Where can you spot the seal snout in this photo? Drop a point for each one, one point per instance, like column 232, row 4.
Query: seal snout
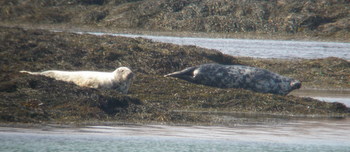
column 123, row 73
column 131, row 75
column 295, row 84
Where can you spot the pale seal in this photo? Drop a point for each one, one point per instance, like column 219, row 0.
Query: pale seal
column 238, row 76
column 120, row 79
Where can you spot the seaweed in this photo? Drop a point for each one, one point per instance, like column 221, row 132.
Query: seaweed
column 303, row 18
column 152, row 98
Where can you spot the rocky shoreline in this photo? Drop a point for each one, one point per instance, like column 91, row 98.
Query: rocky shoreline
column 323, row 19
column 152, row 98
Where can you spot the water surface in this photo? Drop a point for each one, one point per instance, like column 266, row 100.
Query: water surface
column 342, row 96
column 283, row 49
column 285, row 135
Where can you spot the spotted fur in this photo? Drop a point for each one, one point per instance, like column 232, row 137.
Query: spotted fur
column 238, row 76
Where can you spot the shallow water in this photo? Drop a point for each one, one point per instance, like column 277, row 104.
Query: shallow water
column 342, row 96
column 283, row 49
column 281, row 135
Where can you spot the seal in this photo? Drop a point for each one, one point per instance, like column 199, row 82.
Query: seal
column 238, row 76
column 120, row 79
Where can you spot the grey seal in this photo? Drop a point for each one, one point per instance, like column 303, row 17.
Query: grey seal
column 238, row 76
column 120, row 79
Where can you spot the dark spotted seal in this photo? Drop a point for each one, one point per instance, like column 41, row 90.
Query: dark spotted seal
column 238, row 76
column 120, row 79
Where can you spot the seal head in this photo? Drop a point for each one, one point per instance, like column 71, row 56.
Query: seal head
column 123, row 77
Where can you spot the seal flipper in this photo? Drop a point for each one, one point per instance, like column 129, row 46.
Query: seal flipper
column 186, row 74
column 28, row 72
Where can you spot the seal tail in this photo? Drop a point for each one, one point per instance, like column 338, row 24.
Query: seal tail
column 28, row 72
column 186, row 74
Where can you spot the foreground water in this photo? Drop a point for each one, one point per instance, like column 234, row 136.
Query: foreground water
column 271, row 135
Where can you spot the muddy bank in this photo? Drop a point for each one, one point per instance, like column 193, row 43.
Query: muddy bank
column 323, row 19
column 152, row 98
